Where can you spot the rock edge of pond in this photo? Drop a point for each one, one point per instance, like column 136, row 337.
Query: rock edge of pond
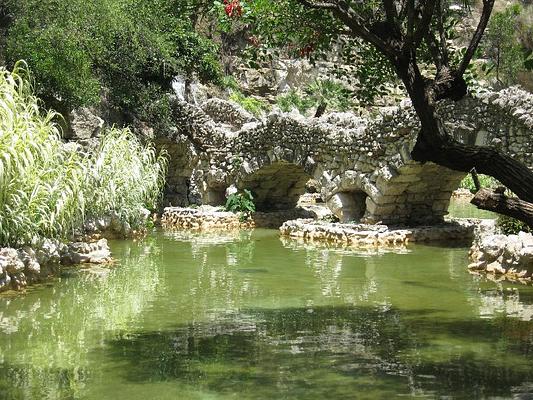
column 29, row 265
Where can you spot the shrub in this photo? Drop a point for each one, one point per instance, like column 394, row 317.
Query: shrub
column 250, row 104
column 47, row 189
column 126, row 49
column 241, row 202
column 332, row 94
column 502, row 45
column 125, row 176
column 511, row 226
column 294, row 99
column 326, row 94
column 485, row 181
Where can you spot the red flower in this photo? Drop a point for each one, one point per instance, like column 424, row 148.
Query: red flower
column 233, row 8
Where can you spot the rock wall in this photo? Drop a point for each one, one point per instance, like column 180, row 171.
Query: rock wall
column 363, row 166
column 21, row 267
column 361, row 235
column 207, row 218
column 508, row 257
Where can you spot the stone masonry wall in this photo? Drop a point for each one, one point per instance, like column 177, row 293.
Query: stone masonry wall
column 363, row 166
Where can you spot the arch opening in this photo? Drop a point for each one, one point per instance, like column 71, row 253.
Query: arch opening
column 348, row 206
column 276, row 186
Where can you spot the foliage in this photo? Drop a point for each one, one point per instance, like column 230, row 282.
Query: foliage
column 485, row 181
column 502, row 47
column 129, row 50
column 320, row 93
column 294, row 99
column 332, row 95
column 124, row 176
column 511, row 226
column 40, row 181
column 250, row 104
column 48, row 189
column 241, row 202
column 288, row 29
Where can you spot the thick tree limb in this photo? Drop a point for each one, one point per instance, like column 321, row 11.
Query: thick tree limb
column 498, row 202
column 486, row 160
column 390, row 11
column 442, row 33
column 488, row 5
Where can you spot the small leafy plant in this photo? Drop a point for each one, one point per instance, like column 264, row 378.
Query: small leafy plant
column 511, row 226
column 294, row 99
column 486, row 181
column 250, row 104
column 241, row 202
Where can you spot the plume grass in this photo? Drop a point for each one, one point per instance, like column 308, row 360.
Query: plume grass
column 47, row 189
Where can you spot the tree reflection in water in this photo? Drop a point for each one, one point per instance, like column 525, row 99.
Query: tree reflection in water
column 248, row 314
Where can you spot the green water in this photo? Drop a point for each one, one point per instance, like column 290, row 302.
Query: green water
column 462, row 208
column 250, row 316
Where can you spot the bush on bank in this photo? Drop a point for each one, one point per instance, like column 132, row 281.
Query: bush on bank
column 126, row 51
column 47, row 188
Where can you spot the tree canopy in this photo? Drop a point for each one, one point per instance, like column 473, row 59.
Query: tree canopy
column 129, row 51
column 413, row 36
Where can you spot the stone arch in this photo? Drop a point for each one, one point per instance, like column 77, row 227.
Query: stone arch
column 349, row 205
column 413, row 194
column 275, row 186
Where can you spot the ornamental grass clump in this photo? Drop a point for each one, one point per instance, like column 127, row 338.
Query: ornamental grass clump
column 48, row 189
column 125, row 177
column 40, row 181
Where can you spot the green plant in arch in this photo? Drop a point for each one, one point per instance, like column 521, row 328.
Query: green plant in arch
column 241, row 202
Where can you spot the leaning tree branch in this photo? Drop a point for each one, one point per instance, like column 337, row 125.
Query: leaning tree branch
column 488, row 5
column 498, row 202
column 440, row 26
column 447, row 152
column 411, row 16
column 390, row 11
column 434, row 51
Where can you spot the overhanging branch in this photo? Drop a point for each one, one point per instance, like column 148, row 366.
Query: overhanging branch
column 488, row 5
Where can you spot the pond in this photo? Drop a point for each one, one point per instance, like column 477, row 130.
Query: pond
column 251, row 316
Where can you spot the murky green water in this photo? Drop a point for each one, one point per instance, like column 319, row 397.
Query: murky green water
column 249, row 316
column 462, row 208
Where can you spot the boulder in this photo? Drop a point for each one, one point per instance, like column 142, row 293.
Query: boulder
column 84, row 124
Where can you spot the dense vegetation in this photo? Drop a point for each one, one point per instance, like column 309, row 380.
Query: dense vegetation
column 508, row 46
column 49, row 189
column 126, row 51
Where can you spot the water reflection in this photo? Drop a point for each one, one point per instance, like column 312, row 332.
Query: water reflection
column 46, row 335
column 198, row 316
column 332, row 352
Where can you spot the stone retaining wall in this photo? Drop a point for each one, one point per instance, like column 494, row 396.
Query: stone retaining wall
column 374, row 236
column 207, row 218
column 21, row 267
column 509, row 257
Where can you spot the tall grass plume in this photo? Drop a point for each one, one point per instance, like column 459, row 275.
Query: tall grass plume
column 47, row 189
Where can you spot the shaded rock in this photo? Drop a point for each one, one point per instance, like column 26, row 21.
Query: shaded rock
column 10, row 262
column 84, row 124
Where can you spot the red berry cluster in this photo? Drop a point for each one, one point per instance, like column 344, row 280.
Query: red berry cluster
column 306, row 50
column 233, row 8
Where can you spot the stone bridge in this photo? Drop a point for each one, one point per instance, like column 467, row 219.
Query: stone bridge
column 363, row 166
